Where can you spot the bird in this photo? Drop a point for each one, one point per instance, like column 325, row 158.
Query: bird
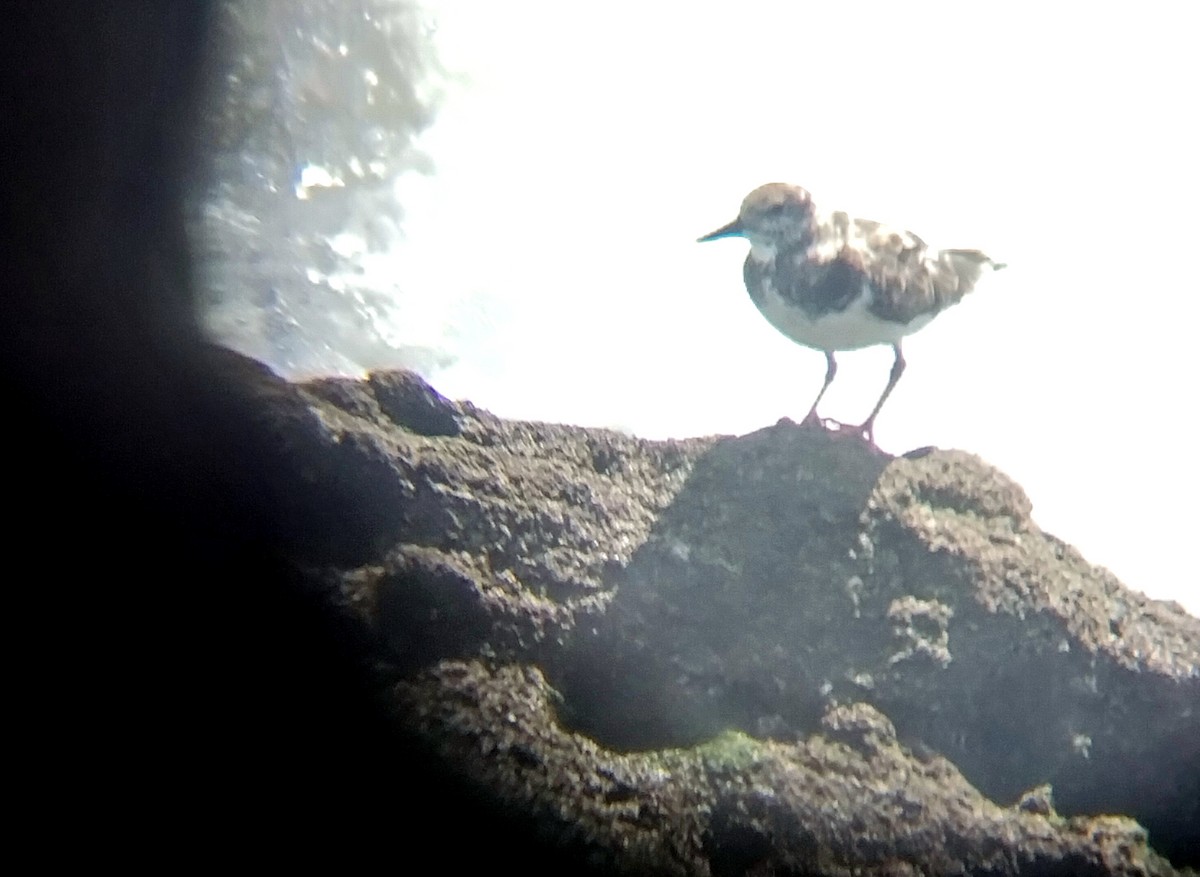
column 832, row 282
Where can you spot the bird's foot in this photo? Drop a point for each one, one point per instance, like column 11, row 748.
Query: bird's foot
column 815, row 421
column 812, row 420
column 863, row 431
column 827, row 424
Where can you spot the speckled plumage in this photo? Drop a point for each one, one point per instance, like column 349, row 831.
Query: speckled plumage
column 832, row 282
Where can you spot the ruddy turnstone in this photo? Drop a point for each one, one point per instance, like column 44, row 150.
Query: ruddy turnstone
column 832, row 282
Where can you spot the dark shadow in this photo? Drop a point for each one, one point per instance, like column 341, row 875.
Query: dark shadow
column 182, row 689
column 741, row 598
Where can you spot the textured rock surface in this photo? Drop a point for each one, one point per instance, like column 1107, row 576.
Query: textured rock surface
column 778, row 653
column 847, row 800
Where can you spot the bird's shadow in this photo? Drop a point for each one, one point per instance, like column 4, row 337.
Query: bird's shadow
column 739, row 603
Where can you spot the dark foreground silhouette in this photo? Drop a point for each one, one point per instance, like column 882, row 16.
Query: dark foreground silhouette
column 179, row 691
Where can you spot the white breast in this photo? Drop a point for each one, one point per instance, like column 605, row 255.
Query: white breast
column 851, row 329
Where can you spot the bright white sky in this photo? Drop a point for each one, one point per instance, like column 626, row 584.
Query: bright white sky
column 588, row 145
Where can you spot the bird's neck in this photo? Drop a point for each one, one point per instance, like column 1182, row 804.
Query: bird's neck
column 763, row 252
column 767, row 250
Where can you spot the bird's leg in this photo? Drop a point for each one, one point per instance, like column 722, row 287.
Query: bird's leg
column 867, row 430
column 811, row 419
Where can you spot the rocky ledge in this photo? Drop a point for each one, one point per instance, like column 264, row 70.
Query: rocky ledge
column 779, row 653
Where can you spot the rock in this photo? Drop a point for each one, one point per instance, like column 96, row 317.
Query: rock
column 579, row 617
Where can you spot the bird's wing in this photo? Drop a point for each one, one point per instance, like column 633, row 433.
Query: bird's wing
column 895, row 263
column 877, row 236
column 845, row 255
column 906, row 276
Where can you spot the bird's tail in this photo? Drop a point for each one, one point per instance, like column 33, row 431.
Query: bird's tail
column 968, row 264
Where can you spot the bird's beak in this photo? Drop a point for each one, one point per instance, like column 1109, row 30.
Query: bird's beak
column 733, row 230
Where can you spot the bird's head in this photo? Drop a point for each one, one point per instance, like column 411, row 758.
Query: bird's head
column 771, row 215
